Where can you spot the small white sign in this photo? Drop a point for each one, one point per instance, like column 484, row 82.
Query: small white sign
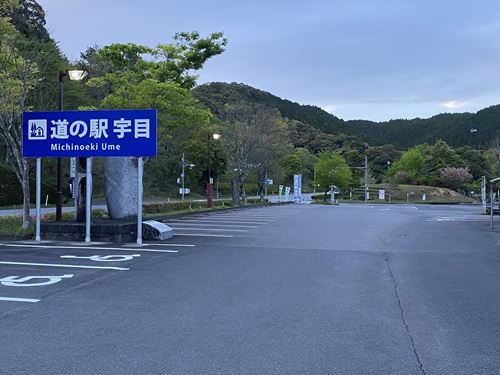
column 72, row 167
column 381, row 195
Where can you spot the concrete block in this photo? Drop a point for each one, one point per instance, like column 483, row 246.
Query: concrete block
column 154, row 230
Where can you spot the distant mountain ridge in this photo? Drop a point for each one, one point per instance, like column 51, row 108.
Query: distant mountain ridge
column 460, row 129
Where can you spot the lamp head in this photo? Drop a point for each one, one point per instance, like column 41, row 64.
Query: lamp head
column 77, row 74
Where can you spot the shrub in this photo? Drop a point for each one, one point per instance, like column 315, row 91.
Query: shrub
column 165, row 207
column 454, row 178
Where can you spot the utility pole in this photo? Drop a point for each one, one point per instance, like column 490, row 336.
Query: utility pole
column 191, row 166
column 265, row 187
column 182, row 175
column 314, row 181
column 366, row 179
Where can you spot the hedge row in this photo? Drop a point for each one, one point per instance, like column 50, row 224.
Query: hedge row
column 165, row 207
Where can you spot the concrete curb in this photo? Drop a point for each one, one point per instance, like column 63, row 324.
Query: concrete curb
column 160, row 218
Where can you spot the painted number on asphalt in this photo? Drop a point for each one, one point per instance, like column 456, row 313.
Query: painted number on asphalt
column 24, row 281
column 104, row 258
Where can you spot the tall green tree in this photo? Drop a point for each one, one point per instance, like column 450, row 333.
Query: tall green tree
column 140, row 77
column 409, row 169
column 29, row 19
column 25, row 54
column 380, row 159
column 301, row 161
column 255, row 137
column 356, row 162
column 438, row 156
column 332, row 169
column 196, row 148
column 271, row 150
column 476, row 162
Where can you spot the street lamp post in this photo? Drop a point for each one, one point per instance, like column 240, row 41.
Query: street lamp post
column 314, row 181
column 74, row 75
column 209, row 181
column 365, row 168
column 183, row 176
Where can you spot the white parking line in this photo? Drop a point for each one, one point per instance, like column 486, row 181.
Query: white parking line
column 218, row 220
column 63, row 266
column 11, row 299
column 253, row 217
column 93, row 248
column 202, row 235
column 212, row 229
column 173, row 225
column 171, row 244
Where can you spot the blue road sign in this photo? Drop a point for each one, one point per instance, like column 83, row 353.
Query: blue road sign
column 89, row 133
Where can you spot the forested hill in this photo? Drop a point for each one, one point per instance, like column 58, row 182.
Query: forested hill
column 217, row 94
column 473, row 129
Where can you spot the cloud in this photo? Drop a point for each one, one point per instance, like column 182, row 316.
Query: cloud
column 453, row 104
column 406, row 61
column 330, row 108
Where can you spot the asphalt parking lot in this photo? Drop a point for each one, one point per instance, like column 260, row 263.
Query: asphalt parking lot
column 361, row 289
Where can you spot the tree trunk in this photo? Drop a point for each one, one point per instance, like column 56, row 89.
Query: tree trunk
column 241, row 183
column 261, row 192
column 234, row 191
column 122, row 188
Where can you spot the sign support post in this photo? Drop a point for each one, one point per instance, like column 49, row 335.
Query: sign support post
column 38, row 197
column 88, row 208
column 140, row 166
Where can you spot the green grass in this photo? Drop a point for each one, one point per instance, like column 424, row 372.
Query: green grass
column 414, row 194
column 407, row 194
column 12, row 225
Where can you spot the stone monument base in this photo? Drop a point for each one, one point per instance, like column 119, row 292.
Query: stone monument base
column 104, row 230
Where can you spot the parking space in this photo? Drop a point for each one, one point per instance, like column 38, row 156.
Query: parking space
column 31, row 271
column 228, row 224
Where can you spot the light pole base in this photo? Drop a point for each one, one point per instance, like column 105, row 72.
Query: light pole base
column 209, row 195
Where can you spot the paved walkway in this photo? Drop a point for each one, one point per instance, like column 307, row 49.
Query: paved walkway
column 45, row 210
column 101, row 203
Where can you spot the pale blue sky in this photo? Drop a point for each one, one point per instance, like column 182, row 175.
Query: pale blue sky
column 358, row 59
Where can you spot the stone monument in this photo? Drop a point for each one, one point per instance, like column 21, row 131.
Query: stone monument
column 122, row 188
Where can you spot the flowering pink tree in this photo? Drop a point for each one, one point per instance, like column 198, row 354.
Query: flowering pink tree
column 454, row 178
